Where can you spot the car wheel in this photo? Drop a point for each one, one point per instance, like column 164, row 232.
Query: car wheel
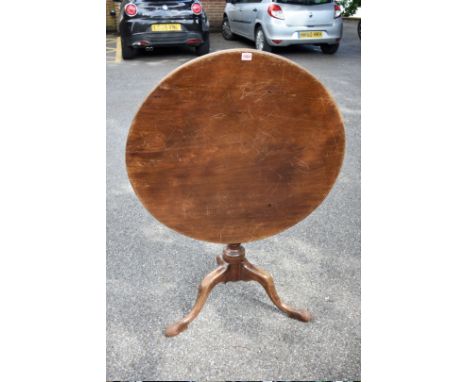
column 261, row 42
column 359, row 29
column 127, row 51
column 329, row 48
column 205, row 47
column 226, row 29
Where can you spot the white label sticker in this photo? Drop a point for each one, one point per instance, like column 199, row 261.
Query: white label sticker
column 246, row 57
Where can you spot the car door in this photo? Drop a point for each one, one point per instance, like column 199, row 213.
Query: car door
column 233, row 11
column 250, row 10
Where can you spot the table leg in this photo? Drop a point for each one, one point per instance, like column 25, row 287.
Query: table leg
column 208, row 283
column 251, row 272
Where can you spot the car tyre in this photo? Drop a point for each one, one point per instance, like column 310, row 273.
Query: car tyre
column 226, row 29
column 260, row 41
column 205, row 47
column 128, row 52
column 329, row 48
column 359, row 29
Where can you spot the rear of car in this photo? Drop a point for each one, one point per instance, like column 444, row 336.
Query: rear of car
column 152, row 23
column 285, row 22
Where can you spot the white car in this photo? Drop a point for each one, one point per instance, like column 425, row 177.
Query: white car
column 285, row 22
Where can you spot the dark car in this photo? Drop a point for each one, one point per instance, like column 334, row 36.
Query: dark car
column 146, row 24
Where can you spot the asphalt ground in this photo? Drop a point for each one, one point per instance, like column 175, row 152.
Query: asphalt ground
column 153, row 273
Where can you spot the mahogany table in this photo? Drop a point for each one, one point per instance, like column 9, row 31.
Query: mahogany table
column 232, row 147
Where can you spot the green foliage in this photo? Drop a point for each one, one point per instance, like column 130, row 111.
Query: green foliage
column 350, row 6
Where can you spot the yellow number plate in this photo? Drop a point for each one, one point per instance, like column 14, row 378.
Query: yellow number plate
column 311, row 34
column 166, row 27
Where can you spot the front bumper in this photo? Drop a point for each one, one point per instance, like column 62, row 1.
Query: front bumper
column 289, row 35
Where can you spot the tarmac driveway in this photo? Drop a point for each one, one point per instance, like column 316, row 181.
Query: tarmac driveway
column 153, row 272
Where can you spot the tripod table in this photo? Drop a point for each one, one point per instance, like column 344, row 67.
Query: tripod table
column 233, row 147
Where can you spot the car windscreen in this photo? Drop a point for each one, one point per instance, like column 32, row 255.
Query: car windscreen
column 304, row 2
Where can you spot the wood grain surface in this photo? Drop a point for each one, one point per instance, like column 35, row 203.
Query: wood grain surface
column 230, row 151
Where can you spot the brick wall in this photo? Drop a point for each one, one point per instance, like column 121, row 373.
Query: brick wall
column 214, row 9
column 111, row 21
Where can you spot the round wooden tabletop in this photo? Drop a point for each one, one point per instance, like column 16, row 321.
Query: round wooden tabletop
column 235, row 146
